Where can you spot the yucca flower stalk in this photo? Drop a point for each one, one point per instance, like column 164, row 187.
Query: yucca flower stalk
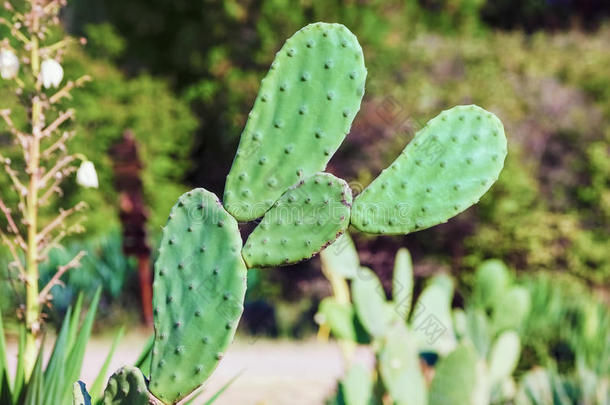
column 31, row 60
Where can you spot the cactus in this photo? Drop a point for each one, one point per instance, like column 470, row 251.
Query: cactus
column 399, row 367
column 357, row 386
column 492, row 278
column 341, row 258
column 431, row 317
column 370, row 303
column 402, row 282
column 455, row 378
column 303, row 111
column 303, row 221
column 445, row 169
column 511, row 309
column 127, row 386
column 342, row 320
column 504, row 357
column 301, row 115
column 79, row 394
column 199, row 288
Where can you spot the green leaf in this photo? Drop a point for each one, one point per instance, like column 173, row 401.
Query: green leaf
column 5, row 383
column 219, row 392
column 80, row 396
column 96, row 388
column 143, row 361
column 77, row 352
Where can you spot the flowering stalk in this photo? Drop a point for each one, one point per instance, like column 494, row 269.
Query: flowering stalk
column 44, row 150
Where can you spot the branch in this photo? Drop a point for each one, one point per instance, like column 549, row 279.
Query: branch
column 75, row 262
column 13, row 250
column 21, row 189
column 63, row 117
column 65, row 91
column 5, row 114
column 63, row 214
column 58, row 144
column 59, row 166
column 11, row 223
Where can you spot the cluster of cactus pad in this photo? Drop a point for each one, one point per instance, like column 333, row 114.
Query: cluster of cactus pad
column 302, row 113
column 478, row 347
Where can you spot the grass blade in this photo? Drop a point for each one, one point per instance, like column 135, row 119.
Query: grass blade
column 96, row 388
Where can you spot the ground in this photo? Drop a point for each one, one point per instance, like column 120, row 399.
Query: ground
column 270, row 372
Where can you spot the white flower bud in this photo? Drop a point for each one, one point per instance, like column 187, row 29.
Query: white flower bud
column 86, row 175
column 9, row 64
column 51, row 73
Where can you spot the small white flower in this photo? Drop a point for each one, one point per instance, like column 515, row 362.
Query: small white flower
column 9, row 64
column 51, row 73
column 86, row 175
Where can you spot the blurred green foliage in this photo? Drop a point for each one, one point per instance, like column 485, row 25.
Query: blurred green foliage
column 550, row 209
column 105, row 108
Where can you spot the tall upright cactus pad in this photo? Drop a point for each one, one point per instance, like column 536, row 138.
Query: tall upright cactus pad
column 375, row 313
column 455, row 378
column 341, row 258
column 444, row 170
column 402, row 283
column 306, row 219
column 400, row 368
column 356, row 388
column 303, row 111
column 504, row 357
column 492, row 278
column 199, row 289
column 127, row 386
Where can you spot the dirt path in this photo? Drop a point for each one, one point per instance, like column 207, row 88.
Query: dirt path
column 272, row 372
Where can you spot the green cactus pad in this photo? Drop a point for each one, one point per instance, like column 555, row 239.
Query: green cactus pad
column 402, row 283
column 80, row 396
column 303, row 111
column 307, row 218
column 455, row 378
column 511, row 308
column 341, row 258
column 342, row 321
column 431, row 318
column 504, row 357
column 375, row 313
column 444, row 170
column 356, row 388
column 492, row 278
column 400, row 368
column 199, row 289
column 127, row 386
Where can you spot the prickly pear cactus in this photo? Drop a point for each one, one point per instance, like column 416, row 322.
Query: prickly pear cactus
column 356, row 388
column 306, row 219
column 341, row 258
column 492, row 278
column 444, row 170
column 400, row 369
column 402, row 283
column 342, row 320
column 303, row 111
column 199, row 289
column 127, row 386
column 504, row 357
column 455, row 378
column 375, row 313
